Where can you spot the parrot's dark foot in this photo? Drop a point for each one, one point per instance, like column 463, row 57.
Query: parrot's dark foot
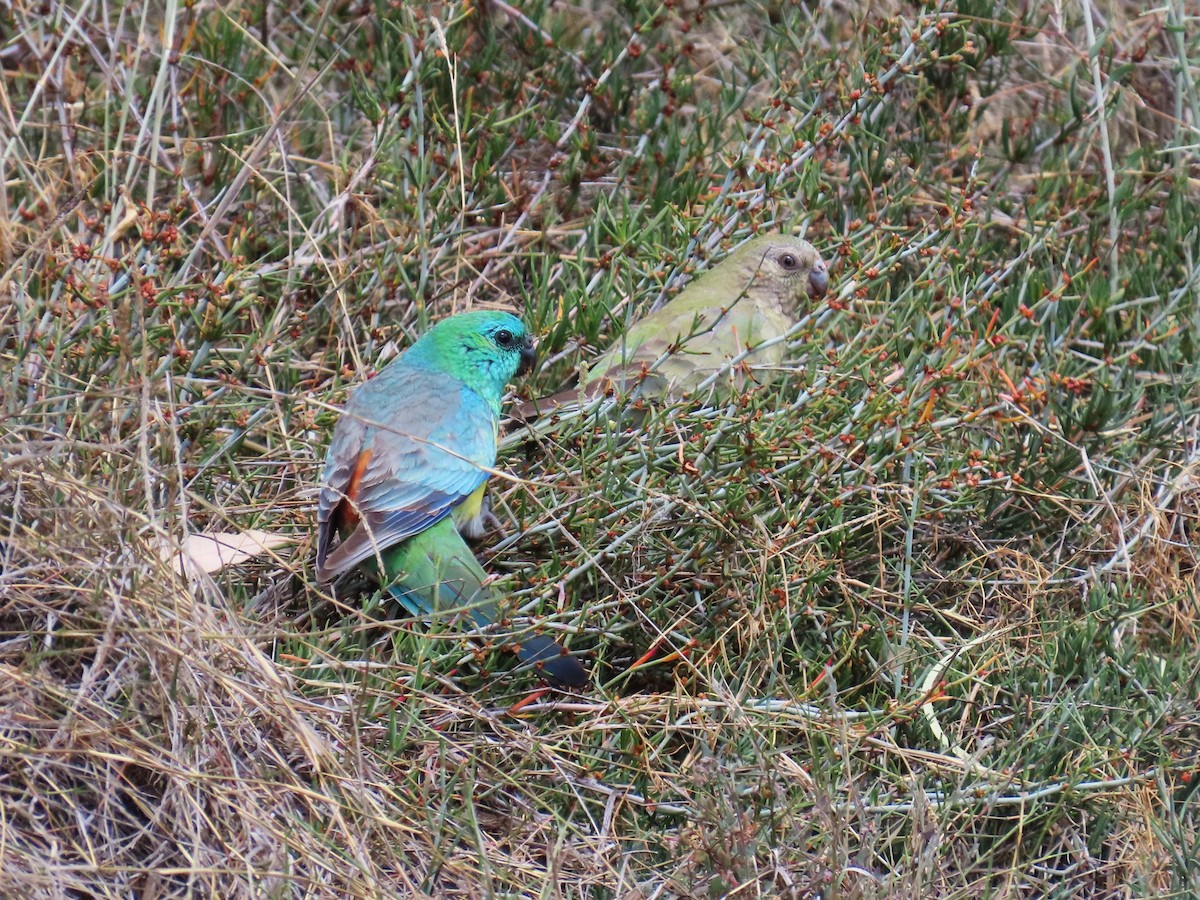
column 492, row 521
column 477, row 528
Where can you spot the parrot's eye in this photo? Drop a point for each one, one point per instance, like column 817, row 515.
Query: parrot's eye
column 789, row 262
column 504, row 338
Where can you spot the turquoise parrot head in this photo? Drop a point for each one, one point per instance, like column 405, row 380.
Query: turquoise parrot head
column 484, row 350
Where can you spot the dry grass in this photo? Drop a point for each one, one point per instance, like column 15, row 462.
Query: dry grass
column 923, row 623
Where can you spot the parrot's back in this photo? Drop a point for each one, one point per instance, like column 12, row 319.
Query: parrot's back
column 703, row 343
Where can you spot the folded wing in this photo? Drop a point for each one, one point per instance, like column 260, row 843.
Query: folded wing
column 410, row 446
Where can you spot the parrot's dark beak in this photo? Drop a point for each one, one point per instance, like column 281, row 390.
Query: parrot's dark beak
column 528, row 357
column 818, row 280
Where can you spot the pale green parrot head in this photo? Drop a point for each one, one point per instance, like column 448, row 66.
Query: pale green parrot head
column 484, row 350
column 783, row 267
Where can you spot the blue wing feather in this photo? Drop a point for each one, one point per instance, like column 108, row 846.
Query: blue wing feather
column 432, row 442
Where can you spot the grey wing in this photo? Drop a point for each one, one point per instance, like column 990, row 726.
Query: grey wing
column 405, row 453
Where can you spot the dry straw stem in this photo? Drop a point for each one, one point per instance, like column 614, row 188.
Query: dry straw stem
column 154, row 739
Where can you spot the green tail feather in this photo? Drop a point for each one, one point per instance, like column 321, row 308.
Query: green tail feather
column 435, row 571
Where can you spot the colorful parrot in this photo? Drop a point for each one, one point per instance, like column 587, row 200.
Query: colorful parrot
column 407, row 468
column 754, row 295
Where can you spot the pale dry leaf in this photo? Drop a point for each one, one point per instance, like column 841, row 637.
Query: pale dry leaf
column 213, row 551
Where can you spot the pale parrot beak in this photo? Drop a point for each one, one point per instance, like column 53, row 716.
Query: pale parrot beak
column 528, row 357
column 818, row 280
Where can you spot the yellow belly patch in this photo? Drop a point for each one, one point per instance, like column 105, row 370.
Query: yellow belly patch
column 468, row 515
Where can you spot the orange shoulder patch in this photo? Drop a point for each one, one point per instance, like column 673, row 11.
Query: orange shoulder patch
column 345, row 516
